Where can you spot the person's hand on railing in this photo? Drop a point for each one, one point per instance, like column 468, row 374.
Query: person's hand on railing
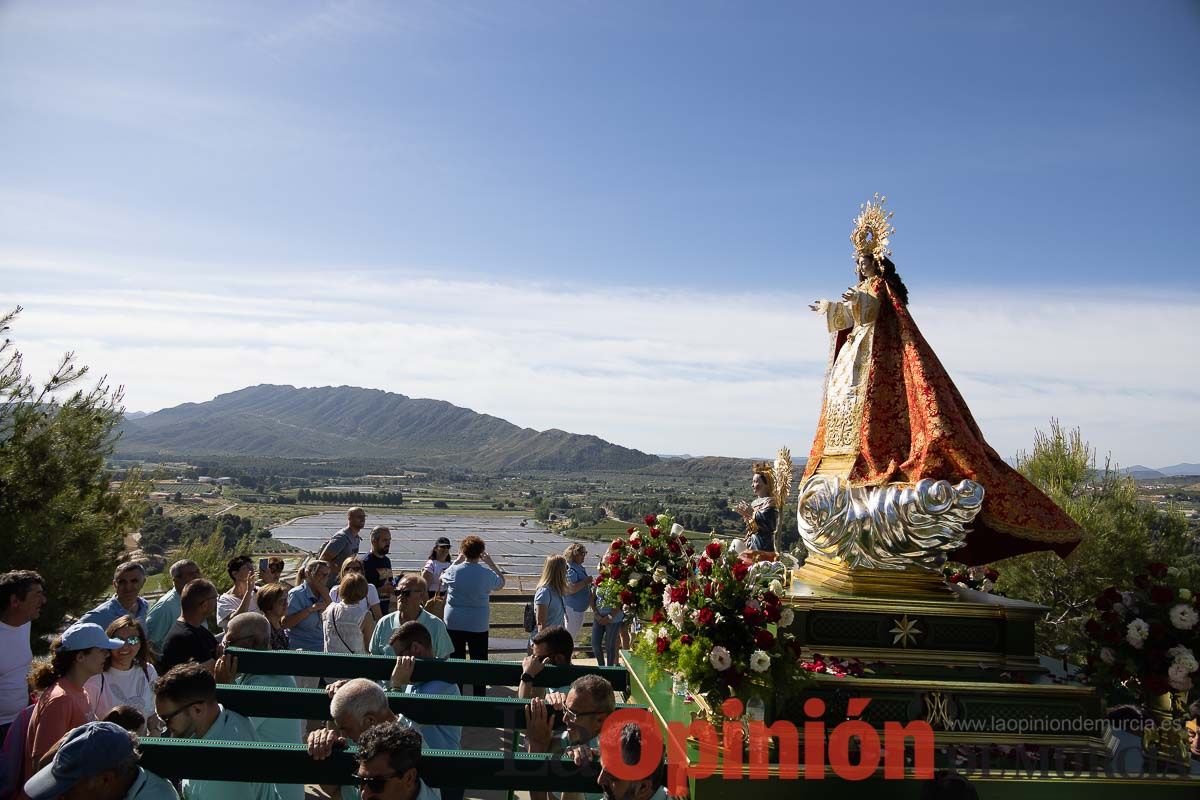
column 557, row 700
column 322, row 743
column 538, row 726
column 226, row 669
column 403, row 671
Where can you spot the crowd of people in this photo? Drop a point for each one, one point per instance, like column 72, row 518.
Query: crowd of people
column 128, row 668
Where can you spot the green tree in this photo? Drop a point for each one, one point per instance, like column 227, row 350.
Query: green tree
column 212, row 554
column 59, row 512
column 1123, row 534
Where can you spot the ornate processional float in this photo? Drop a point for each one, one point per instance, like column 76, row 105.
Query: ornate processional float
column 862, row 629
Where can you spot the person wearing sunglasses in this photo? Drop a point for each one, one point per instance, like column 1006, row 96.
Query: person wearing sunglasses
column 411, row 594
column 582, row 711
column 388, row 757
column 186, row 701
column 129, row 675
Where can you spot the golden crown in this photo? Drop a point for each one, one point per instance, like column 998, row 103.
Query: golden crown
column 872, row 229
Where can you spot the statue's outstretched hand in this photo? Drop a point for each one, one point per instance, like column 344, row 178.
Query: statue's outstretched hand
column 818, row 306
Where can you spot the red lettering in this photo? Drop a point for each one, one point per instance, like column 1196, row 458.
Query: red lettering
column 894, row 735
column 814, row 740
column 868, row 750
column 789, row 749
column 678, row 768
column 610, row 744
column 731, row 761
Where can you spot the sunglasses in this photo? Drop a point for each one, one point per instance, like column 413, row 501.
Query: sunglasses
column 132, row 641
column 375, row 783
column 404, row 592
column 570, row 716
column 167, row 719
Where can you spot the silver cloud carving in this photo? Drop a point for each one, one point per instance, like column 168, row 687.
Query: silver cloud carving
column 886, row 527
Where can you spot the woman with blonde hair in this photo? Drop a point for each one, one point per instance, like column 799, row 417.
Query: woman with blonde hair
column 350, row 566
column 346, row 624
column 129, row 676
column 549, row 605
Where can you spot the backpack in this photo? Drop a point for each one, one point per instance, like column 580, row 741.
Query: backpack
column 530, row 621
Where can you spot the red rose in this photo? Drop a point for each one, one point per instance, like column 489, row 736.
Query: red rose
column 650, row 519
column 1161, row 595
column 614, row 558
column 752, row 615
column 627, row 597
column 1157, row 570
column 1093, row 629
column 685, row 639
column 763, row 639
column 658, row 616
column 662, row 645
column 673, row 546
column 705, row 566
column 630, row 560
column 1110, row 617
column 705, row 617
column 991, row 574
column 691, row 551
column 679, row 594
column 618, row 544
column 629, row 531
column 958, row 577
column 614, row 573
column 650, row 551
column 708, row 589
column 655, row 533
column 773, row 613
column 712, row 549
column 740, row 569
column 1103, row 603
column 635, row 543
column 770, row 598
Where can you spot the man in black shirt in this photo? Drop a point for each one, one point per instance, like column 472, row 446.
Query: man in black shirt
column 378, row 567
column 188, row 639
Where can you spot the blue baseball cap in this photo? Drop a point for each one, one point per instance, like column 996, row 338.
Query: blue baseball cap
column 85, row 635
column 85, row 752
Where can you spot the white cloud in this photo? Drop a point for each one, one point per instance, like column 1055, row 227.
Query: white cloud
column 662, row 371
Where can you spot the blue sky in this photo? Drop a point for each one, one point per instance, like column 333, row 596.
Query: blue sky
column 638, row 198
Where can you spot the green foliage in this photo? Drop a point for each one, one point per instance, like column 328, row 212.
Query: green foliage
column 212, row 554
column 1123, row 535
column 59, row 513
column 165, row 532
column 351, row 498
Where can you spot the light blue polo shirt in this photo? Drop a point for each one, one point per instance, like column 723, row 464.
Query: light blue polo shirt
column 581, row 600
column 469, row 588
column 160, row 618
column 439, row 737
column 230, row 726
column 149, row 786
column 442, row 646
column 308, row 635
column 277, row 729
column 111, row 610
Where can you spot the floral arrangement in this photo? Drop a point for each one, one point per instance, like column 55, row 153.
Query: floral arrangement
column 724, row 629
column 635, row 570
column 981, row 579
column 1147, row 637
column 839, row 667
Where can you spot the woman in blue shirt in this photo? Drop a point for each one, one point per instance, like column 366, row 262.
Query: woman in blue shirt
column 549, row 600
column 578, row 598
column 469, row 583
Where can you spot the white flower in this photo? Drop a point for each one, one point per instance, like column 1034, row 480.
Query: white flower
column 1107, row 655
column 1184, row 617
column 1136, row 633
column 663, row 632
column 677, row 613
column 986, row 586
column 633, row 582
column 776, row 586
column 660, row 574
column 1178, row 677
column 786, row 618
column 718, row 618
column 635, row 536
column 1180, row 654
column 760, row 661
column 650, row 635
column 1185, row 594
column 720, row 659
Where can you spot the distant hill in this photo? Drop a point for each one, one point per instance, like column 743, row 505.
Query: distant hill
column 349, row 422
column 1180, row 469
column 1139, row 472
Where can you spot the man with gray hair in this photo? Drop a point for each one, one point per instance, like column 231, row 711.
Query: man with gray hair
column 128, row 580
column 354, row 706
column 252, row 631
column 162, row 615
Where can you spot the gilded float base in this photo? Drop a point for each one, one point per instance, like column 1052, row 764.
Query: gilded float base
column 837, row 576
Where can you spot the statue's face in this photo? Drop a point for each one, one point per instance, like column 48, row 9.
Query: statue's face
column 867, row 267
column 758, row 485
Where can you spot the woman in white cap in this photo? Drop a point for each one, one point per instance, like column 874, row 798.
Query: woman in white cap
column 63, row 705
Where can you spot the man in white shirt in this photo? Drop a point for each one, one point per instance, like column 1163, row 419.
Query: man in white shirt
column 22, row 595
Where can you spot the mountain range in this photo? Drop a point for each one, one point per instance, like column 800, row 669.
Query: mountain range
column 1140, row 472
column 351, row 422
